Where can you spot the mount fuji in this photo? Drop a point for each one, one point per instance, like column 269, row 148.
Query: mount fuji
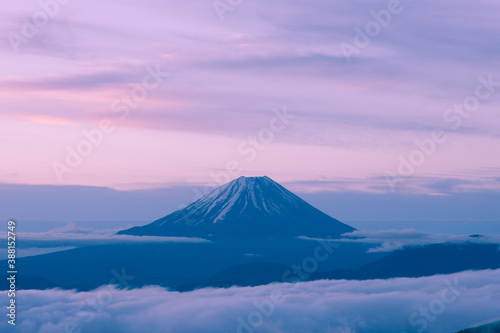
column 245, row 207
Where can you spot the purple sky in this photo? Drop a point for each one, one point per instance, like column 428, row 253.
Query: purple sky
column 349, row 120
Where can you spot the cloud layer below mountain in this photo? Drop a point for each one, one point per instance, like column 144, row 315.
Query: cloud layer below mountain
column 445, row 303
column 71, row 236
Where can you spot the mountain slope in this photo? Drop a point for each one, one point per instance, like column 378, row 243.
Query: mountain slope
column 180, row 265
column 420, row 261
column 243, row 275
column 246, row 207
column 409, row 262
column 488, row 328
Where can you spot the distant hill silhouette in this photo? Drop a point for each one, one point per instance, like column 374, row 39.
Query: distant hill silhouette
column 488, row 328
column 427, row 260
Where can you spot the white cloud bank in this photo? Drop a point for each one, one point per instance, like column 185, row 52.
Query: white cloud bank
column 71, row 236
column 390, row 240
column 444, row 303
column 72, row 232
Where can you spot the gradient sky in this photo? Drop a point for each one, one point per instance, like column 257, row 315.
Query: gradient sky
column 352, row 120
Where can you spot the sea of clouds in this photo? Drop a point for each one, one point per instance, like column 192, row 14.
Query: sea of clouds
column 442, row 303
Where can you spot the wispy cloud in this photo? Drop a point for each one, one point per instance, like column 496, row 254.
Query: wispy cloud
column 390, row 240
column 265, row 55
column 74, row 236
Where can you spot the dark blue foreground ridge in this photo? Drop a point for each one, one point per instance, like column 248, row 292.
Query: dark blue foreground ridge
column 246, row 207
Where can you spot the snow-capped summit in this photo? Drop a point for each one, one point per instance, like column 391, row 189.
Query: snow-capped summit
column 247, row 193
column 247, row 206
